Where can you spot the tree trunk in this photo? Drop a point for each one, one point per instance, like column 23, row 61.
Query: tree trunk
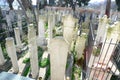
column 10, row 4
column 108, row 6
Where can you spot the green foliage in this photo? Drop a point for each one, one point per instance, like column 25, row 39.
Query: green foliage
column 26, row 71
column 46, row 26
column 44, row 62
column 25, row 40
column 2, row 21
column 47, row 73
column 80, row 2
column 109, row 31
column 67, row 65
column 118, row 4
column 96, row 51
column 26, row 60
column 14, row 24
column 24, row 26
column 46, row 35
column 40, row 52
column 5, row 53
column 84, row 2
column 114, row 77
column 76, row 70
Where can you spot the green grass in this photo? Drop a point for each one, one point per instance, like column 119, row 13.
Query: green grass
column 47, row 73
column 40, row 52
column 44, row 62
column 26, row 60
column 26, row 71
column 5, row 53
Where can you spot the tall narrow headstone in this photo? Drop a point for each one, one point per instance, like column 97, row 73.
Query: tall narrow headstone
column 69, row 28
column 58, row 49
column 11, row 50
column 12, row 15
column 50, row 28
column 2, row 60
column 17, row 37
column 19, row 22
column 101, row 31
column 80, row 46
column 41, row 31
column 9, row 22
column 33, row 50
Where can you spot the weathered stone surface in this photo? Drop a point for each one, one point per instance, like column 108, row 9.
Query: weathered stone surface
column 68, row 28
column 11, row 50
column 19, row 22
column 58, row 50
column 17, row 37
column 101, row 32
column 41, row 31
column 33, row 50
column 80, row 46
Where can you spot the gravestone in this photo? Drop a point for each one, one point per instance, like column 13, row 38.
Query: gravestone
column 41, row 31
column 11, row 50
column 58, row 49
column 32, row 41
column 80, row 46
column 19, row 22
column 9, row 22
column 17, row 37
column 68, row 28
